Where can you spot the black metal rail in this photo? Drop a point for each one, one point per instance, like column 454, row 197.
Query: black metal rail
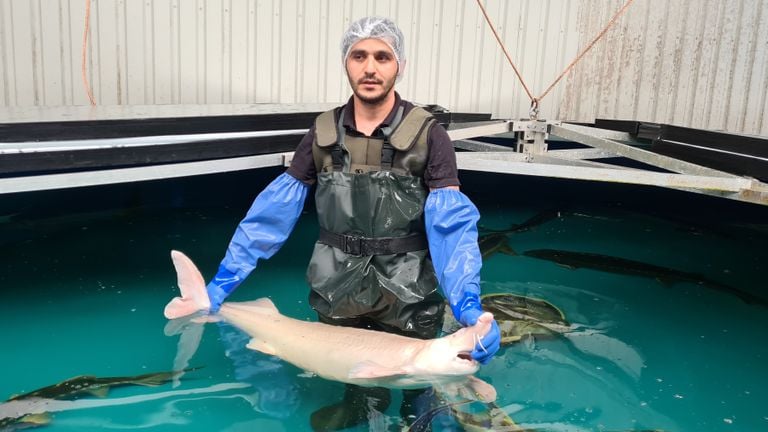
column 735, row 153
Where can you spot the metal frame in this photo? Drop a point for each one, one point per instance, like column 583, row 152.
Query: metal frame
column 531, row 157
column 611, row 141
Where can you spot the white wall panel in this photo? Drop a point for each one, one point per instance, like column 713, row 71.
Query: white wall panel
column 701, row 63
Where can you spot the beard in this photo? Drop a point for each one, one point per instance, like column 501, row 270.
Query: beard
column 375, row 99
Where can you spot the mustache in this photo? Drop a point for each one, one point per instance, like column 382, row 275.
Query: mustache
column 370, row 80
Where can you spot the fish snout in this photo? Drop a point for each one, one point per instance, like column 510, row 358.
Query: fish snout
column 466, row 339
column 462, row 365
column 462, row 361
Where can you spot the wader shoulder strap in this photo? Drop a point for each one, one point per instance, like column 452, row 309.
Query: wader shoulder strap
column 325, row 129
column 337, row 155
column 387, row 149
column 407, row 132
column 327, row 132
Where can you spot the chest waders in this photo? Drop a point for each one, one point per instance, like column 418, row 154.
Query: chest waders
column 371, row 263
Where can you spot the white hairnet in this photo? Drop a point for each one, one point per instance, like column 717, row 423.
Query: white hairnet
column 375, row 28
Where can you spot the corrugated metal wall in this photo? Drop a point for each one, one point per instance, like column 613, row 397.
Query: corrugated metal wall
column 699, row 63
column 702, row 63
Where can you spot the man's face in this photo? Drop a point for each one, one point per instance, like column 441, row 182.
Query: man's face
column 372, row 70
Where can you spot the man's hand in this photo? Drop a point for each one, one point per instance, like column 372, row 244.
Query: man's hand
column 487, row 345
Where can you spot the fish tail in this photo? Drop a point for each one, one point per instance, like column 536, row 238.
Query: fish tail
column 194, row 296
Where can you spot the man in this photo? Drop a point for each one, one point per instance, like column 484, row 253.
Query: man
column 389, row 208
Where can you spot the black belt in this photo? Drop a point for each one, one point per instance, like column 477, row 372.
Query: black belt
column 365, row 246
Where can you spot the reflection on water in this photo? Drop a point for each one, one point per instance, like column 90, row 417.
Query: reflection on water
column 84, row 293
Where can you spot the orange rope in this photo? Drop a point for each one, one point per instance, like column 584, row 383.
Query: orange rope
column 589, row 47
column 535, row 100
column 84, row 53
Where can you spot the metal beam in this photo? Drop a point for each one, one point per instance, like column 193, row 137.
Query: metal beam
column 537, row 158
column 582, row 153
column 102, row 143
column 128, row 175
column 479, row 146
column 556, row 159
column 595, row 137
column 740, row 188
column 478, row 131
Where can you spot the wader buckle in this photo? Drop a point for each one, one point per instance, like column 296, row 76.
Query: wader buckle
column 363, row 246
column 352, row 245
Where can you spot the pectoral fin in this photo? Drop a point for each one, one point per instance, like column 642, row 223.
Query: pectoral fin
column 472, row 388
column 262, row 346
column 101, row 391
column 484, row 391
column 368, row 370
column 34, row 420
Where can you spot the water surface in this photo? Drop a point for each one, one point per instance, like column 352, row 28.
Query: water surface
column 85, row 275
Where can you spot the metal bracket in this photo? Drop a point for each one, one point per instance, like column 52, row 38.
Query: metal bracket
column 531, row 136
column 287, row 159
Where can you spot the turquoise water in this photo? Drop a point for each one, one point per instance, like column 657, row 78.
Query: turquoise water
column 85, row 275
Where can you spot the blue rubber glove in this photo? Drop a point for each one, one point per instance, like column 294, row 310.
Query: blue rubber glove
column 451, row 221
column 259, row 235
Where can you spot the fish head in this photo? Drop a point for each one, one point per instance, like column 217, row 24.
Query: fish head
column 441, row 357
column 451, row 355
